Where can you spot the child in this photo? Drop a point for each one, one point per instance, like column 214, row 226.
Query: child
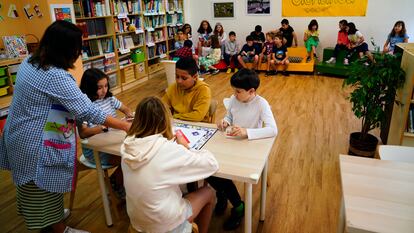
column 231, row 50
column 398, row 35
column 311, row 38
column 356, row 44
column 258, row 37
column 187, row 31
column 248, row 53
column 186, row 50
column 248, row 116
column 154, row 166
column 179, row 43
column 265, row 55
column 342, row 41
column 95, row 85
column 279, row 56
column 212, row 58
column 288, row 33
column 220, row 33
column 204, row 32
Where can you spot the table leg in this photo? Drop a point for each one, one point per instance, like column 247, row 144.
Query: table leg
column 341, row 220
column 263, row 193
column 102, row 186
column 248, row 207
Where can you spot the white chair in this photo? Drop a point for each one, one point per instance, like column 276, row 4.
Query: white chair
column 397, row 153
column 226, row 102
column 169, row 66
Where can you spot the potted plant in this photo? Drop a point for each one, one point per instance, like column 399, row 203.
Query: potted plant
column 375, row 86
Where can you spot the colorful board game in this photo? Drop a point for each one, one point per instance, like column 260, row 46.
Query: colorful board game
column 196, row 136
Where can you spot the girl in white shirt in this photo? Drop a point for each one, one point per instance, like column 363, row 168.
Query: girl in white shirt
column 154, row 166
column 357, row 44
column 248, row 116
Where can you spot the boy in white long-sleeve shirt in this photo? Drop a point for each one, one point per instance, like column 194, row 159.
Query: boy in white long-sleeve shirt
column 249, row 116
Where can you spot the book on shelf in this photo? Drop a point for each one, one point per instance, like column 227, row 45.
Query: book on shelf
column 77, row 7
column 151, row 52
column 173, row 5
column 109, row 64
column 172, row 31
column 154, row 6
column 138, row 39
column 161, row 49
column 410, row 120
column 93, row 8
column 92, row 28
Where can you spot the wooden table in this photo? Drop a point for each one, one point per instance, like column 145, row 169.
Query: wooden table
column 239, row 160
column 378, row 196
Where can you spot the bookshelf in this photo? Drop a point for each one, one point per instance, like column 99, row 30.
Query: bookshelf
column 8, row 69
column 402, row 119
column 127, row 38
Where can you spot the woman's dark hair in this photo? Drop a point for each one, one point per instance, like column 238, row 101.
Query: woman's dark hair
column 201, row 29
column 185, row 26
column 188, row 64
column 258, row 28
column 216, row 31
column 343, row 22
column 245, row 79
column 403, row 30
column 352, row 28
column 312, row 23
column 60, row 46
column 89, row 83
column 215, row 43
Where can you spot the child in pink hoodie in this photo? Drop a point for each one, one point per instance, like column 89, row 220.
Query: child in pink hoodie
column 154, row 166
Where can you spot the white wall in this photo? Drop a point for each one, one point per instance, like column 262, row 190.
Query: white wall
column 378, row 22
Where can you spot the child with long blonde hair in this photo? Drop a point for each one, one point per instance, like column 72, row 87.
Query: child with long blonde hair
column 154, row 164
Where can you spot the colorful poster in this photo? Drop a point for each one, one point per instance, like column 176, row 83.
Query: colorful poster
column 62, row 12
column 305, row 8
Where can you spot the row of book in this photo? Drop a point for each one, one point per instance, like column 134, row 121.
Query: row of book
column 92, row 28
column 172, row 31
column 127, row 7
column 121, row 25
column 410, row 120
column 174, row 19
column 129, row 41
column 174, row 5
column 154, row 21
column 153, row 6
column 104, row 64
column 93, row 48
column 155, row 36
column 91, row 8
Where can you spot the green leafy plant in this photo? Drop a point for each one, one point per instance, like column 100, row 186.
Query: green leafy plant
column 375, row 86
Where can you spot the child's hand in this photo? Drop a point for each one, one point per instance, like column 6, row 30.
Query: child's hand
column 239, row 131
column 181, row 140
column 222, row 125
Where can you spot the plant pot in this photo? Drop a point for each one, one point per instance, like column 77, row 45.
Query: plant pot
column 363, row 148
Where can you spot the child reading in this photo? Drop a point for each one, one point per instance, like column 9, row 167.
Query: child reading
column 279, row 56
column 248, row 116
column 248, row 54
column 311, row 38
column 342, row 41
column 95, row 85
column 154, row 166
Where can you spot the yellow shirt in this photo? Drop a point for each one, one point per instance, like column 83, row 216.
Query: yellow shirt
column 191, row 104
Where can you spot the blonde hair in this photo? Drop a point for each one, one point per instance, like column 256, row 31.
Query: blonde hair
column 151, row 117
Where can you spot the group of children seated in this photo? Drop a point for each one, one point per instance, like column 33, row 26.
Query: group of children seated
column 214, row 45
column 156, row 161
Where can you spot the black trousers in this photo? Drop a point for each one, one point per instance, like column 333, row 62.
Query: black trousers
column 225, row 189
column 228, row 57
column 338, row 47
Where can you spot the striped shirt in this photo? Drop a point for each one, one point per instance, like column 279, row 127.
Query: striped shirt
column 39, row 140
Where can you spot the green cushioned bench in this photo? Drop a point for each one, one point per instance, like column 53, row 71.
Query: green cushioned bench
column 337, row 69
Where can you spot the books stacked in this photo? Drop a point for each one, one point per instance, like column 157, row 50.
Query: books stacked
column 124, row 42
column 91, row 8
column 154, row 6
column 97, row 47
column 126, row 7
column 161, row 49
column 410, row 120
column 92, row 28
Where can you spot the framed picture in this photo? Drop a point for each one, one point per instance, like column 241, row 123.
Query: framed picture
column 62, row 12
column 223, row 10
column 258, row 7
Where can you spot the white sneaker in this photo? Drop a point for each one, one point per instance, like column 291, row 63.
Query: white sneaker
column 346, row 62
column 73, row 230
column 66, row 213
column 331, row 60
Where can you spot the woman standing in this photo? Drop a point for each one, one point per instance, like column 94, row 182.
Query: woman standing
column 39, row 140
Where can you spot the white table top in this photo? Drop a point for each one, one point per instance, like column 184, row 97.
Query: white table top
column 397, row 153
column 240, row 160
column 378, row 195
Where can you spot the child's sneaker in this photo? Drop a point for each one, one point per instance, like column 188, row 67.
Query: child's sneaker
column 221, row 204
column 228, row 71
column 236, row 70
column 235, row 219
column 215, row 71
column 346, row 62
column 308, row 59
column 331, row 60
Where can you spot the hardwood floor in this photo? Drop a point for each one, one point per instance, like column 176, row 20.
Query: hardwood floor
column 314, row 119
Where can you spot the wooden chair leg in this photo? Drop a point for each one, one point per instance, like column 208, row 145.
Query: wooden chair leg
column 114, row 201
column 73, row 192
